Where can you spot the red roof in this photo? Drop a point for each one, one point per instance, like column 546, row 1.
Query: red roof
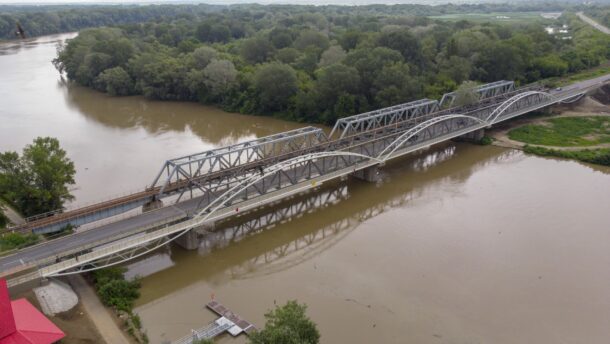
column 22, row 323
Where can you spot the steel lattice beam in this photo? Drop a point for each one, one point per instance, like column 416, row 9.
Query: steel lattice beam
column 492, row 89
column 191, row 167
column 383, row 117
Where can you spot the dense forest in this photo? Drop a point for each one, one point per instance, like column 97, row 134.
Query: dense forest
column 49, row 19
column 317, row 64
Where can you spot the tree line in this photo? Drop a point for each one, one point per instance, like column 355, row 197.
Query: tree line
column 319, row 64
column 50, row 19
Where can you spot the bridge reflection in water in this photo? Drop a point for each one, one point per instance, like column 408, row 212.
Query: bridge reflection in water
column 260, row 243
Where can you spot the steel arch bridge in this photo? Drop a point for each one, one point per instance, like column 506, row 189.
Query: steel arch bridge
column 220, row 183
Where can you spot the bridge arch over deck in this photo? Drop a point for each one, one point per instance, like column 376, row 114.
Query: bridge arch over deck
column 386, row 153
column 502, row 108
column 198, row 219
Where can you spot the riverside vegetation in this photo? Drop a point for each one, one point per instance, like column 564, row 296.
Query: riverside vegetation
column 567, row 132
column 120, row 294
column 318, row 64
column 34, row 182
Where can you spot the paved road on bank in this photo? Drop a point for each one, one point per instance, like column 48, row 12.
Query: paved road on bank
column 593, row 23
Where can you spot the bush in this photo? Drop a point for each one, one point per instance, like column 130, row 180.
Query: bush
column 485, row 141
column 120, row 294
column 10, row 241
column 114, row 290
column 287, row 324
column 593, row 156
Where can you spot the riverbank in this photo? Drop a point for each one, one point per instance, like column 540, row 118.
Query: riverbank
column 567, row 132
column 100, row 316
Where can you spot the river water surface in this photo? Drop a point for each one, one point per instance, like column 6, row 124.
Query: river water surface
column 457, row 244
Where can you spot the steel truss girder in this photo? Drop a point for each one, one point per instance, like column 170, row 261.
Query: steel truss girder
column 383, row 117
column 195, row 166
column 492, row 89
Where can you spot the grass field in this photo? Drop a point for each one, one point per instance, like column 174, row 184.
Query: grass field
column 565, row 132
column 500, row 17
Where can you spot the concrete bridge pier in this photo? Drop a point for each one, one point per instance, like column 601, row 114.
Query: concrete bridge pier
column 152, row 205
column 473, row 136
column 370, row 174
column 188, row 241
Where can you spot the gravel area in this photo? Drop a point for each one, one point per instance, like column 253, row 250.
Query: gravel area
column 56, row 297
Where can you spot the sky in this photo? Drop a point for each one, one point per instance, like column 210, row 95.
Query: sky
column 310, row 2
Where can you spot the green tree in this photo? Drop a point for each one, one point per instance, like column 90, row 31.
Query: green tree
column 287, row 324
column 220, row 76
column 280, row 37
column 116, row 81
column 213, row 32
column 332, row 55
column 202, row 56
column 275, row 83
column 350, row 39
column 550, row 65
column 256, row 50
column 37, row 182
column 311, row 38
column 287, row 55
column 465, row 94
column 404, row 42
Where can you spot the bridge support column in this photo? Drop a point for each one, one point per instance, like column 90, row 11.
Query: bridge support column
column 152, row 205
column 474, row 136
column 370, row 174
column 189, row 240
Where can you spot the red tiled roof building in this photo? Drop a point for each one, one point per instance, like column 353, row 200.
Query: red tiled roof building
column 22, row 323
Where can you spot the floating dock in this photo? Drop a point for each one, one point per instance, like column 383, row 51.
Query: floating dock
column 228, row 321
column 243, row 325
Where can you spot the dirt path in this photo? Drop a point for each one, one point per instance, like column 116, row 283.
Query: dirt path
column 12, row 214
column 97, row 312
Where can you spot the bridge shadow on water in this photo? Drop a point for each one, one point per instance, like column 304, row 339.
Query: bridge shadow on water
column 277, row 238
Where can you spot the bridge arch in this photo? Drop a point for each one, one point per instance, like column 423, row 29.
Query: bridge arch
column 407, row 135
column 208, row 211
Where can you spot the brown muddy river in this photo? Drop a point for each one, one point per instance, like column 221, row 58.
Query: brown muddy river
column 457, row 244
